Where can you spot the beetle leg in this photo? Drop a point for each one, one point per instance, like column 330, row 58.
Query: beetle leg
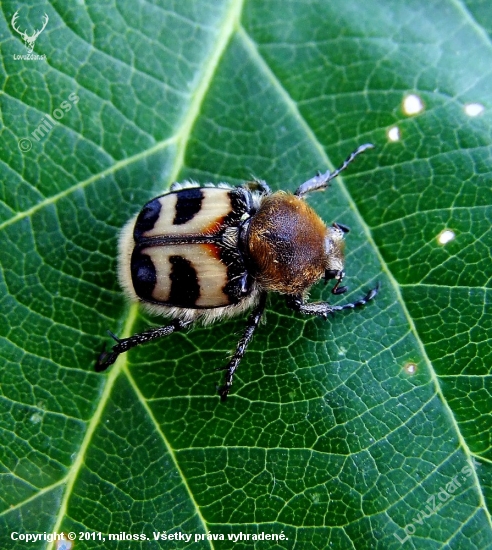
column 251, row 325
column 260, row 185
column 320, row 181
column 323, row 309
column 106, row 358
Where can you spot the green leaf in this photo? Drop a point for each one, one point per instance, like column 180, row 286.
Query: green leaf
column 344, row 433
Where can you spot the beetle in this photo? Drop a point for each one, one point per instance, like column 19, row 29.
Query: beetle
column 208, row 252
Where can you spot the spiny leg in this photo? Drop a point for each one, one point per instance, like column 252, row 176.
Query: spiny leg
column 323, row 309
column 251, row 325
column 106, row 358
column 320, row 181
column 258, row 185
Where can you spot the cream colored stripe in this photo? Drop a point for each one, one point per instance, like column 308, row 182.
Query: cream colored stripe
column 215, row 205
column 211, row 272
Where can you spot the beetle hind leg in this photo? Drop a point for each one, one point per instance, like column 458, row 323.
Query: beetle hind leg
column 107, row 358
column 251, row 326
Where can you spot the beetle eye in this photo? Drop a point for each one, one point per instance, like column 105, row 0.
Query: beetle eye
column 331, row 274
column 341, row 226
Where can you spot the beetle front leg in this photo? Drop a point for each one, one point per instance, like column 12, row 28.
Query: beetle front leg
column 251, row 326
column 323, row 309
column 106, row 358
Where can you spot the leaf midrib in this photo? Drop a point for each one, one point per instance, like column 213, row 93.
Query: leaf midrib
column 229, row 26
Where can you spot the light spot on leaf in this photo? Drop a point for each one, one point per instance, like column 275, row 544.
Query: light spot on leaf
column 412, row 105
column 410, row 368
column 394, row 133
column 36, row 418
column 474, row 109
column 445, row 236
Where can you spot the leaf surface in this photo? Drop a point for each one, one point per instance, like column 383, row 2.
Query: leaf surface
column 361, row 432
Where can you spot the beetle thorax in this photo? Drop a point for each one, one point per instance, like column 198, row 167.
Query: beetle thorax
column 286, row 245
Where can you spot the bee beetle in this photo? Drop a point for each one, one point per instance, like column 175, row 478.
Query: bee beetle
column 203, row 253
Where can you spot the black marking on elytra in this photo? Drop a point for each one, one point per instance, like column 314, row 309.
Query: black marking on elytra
column 147, row 218
column 241, row 203
column 185, row 289
column 143, row 275
column 188, row 205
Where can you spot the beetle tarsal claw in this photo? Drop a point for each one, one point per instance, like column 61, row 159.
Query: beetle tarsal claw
column 114, row 337
column 105, row 359
column 224, row 392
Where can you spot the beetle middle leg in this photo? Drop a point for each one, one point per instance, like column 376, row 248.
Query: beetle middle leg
column 106, row 358
column 260, row 185
column 323, row 309
column 251, row 325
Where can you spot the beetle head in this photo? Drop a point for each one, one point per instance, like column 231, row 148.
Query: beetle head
column 335, row 259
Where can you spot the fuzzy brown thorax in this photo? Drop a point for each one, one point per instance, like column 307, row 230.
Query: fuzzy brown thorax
column 288, row 245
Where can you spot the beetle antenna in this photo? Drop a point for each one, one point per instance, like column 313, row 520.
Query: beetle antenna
column 114, row 337
column 320, row 181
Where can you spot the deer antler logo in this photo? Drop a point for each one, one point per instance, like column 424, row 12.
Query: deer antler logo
column 29, row 40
